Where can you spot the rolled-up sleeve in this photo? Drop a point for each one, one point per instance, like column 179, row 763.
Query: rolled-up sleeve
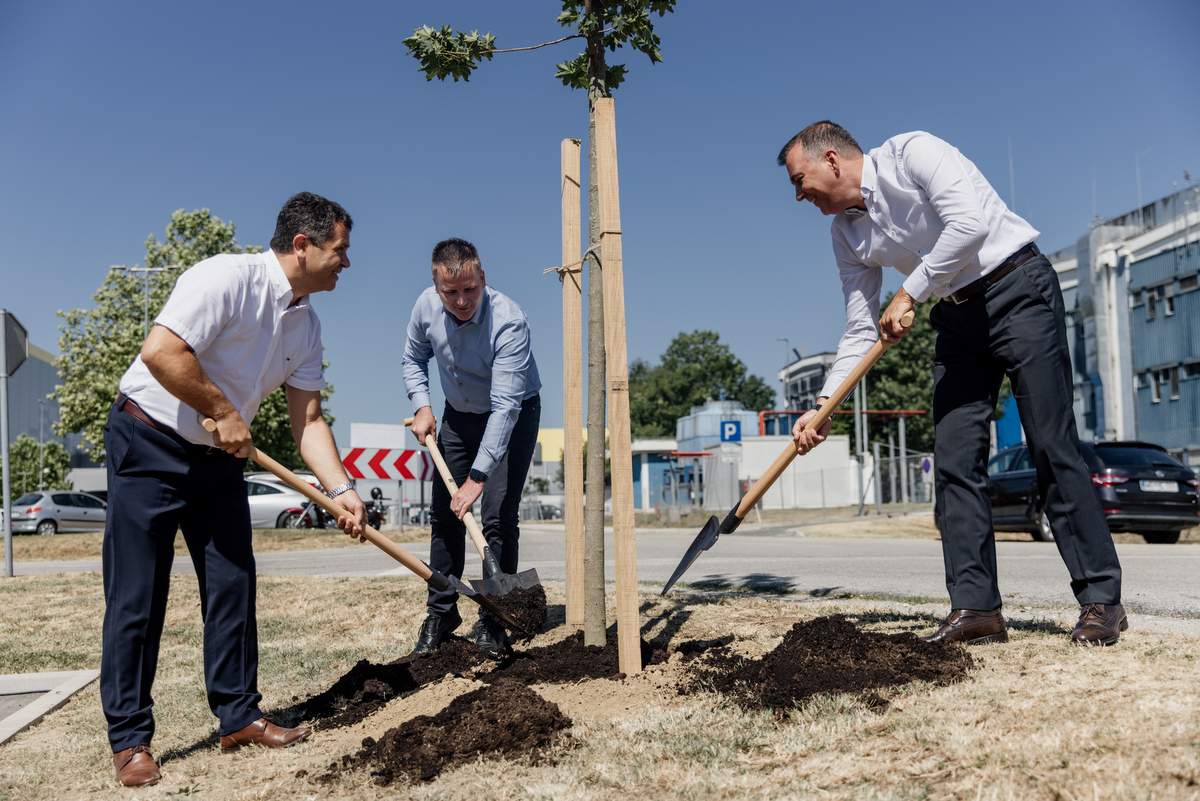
column 204, row 300
column 860, row 287
column 510, row 371
column 938, row 169
column 417, row 352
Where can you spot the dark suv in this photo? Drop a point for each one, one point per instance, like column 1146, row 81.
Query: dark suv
column 1141, row 488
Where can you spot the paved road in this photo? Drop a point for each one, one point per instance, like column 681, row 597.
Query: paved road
column 1159, row 579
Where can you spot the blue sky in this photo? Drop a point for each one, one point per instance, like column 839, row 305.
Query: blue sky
column 116, row 114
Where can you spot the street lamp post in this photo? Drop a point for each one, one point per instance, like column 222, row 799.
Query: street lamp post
column 145, row 271
column 41, row 445
column 787, row 352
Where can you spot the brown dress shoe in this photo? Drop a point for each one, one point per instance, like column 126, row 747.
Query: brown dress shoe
column 135, row 767
column 1100, row 624
column 971, row 627
column 264, row 733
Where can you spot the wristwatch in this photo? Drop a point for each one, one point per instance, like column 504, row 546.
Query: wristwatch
column 338, row 490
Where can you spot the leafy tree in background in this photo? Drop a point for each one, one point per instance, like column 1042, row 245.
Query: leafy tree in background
column 98, row 344
column 25, row 456
column 696, row 367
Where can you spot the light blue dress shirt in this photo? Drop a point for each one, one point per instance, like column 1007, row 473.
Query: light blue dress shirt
column 485, row 364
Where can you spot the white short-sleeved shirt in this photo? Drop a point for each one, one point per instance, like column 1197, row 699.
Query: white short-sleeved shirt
column 235, row 311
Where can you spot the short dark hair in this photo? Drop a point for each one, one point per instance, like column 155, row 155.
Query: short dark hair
column 308, row 214
column 819, row 137
column 454, row 254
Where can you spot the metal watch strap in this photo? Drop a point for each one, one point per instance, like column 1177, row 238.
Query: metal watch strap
column 336, row 491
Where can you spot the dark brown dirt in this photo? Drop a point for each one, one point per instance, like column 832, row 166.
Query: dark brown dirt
column 527, row 607
column 357, row 694
column 569, row 660
column 505, row 720
column 826, row 655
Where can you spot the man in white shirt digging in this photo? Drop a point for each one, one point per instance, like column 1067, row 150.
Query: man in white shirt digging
column 917, row 204
column 236, row 327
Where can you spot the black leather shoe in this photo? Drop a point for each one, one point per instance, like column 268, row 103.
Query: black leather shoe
column 971, row 627
column 1100, row 624
column 490, row 637
column 434, row 631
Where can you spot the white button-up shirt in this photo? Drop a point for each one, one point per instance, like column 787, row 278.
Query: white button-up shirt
column 235, row 311
column 930, row 214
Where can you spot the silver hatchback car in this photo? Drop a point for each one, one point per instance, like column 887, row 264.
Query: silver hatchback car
column 48, row 512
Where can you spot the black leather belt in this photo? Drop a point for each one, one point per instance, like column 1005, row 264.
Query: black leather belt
column 980, row 285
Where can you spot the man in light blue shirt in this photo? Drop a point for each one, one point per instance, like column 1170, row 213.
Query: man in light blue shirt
column 480, row 338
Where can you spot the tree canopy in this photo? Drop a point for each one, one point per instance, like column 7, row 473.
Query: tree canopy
column 446, row 53
column 695, row 367
column 25, row 457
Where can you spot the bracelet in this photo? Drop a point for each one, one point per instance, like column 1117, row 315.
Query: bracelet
column 336, row 491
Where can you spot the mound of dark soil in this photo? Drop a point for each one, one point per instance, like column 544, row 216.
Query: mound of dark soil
column 504, row 719
column 527, row 607
column 357, row 694
column 569, row 660
column 826, row 655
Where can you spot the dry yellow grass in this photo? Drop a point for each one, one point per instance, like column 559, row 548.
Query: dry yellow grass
column 1039, row 719
column 86, row 545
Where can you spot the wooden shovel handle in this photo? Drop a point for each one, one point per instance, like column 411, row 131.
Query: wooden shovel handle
column 760, row 487
column 333, row 507
column 448, row 478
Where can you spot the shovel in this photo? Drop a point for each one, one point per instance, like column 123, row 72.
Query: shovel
column 423, row 571
column 714, row 529
column 495, row 582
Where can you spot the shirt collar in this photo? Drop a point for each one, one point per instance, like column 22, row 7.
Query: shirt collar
column 867, row 186
column 281, row 288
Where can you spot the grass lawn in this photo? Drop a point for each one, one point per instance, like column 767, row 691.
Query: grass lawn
column 1038, row 719
column 86, row 544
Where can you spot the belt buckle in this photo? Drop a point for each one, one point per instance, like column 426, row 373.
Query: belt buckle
column 955, row 299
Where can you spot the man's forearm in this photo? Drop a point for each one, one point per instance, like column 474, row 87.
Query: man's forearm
column 319, row 451
column 180, row 374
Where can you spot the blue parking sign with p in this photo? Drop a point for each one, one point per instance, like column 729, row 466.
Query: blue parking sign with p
column 731, row 431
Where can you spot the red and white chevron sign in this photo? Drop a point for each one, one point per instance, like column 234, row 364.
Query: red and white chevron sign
column 391, row 463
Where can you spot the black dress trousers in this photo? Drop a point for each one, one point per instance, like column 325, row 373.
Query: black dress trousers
column 459, row 437
column 1015, row 328
column 158, row 483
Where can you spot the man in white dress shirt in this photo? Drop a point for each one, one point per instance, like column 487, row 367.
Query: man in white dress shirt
column 917, row 204
column 236, row 327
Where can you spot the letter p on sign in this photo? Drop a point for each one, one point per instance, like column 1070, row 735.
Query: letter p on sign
column 731, row 431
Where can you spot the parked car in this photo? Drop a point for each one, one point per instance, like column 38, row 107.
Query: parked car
column 1142, row 489
column 48, row 512
column 273, row 505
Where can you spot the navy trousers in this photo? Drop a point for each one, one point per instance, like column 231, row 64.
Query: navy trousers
column 158, row 484
column 1016, row 328
column 459, row 436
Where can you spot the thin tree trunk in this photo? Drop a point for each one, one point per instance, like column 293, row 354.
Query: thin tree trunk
column 593, row 565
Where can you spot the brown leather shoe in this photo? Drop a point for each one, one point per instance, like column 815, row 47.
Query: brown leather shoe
column 1099, row 624
column 971, row 627
column 135, row 767
column 264, row 733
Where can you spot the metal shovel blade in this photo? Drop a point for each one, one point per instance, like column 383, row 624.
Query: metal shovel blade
column 501, row 584
column 704, row 540
column 482, row 599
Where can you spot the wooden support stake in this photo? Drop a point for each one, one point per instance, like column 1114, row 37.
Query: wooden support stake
column 617, row 363
column 572, row 337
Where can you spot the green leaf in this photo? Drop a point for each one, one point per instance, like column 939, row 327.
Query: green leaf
column 444, row 53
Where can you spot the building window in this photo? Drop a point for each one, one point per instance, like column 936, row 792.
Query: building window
column 1169, row 306
column 1188, row 283
column 1191, row 370
column 1174, row 371
column 1151, row 305
column 1137, row 298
